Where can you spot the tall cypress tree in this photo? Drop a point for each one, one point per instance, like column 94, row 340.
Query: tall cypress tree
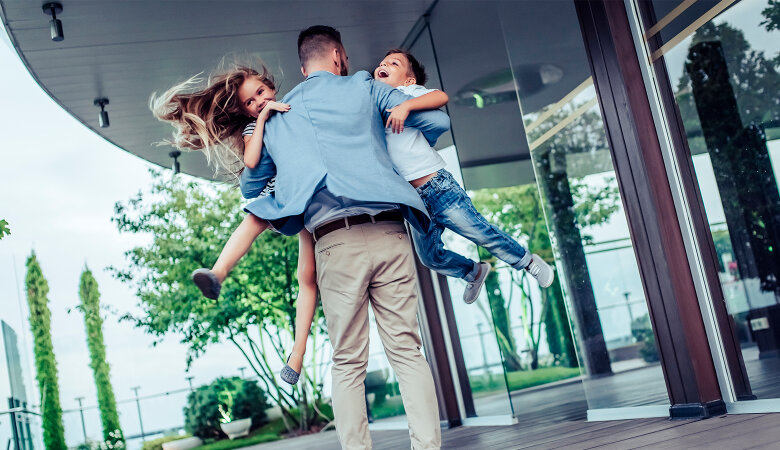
column 45, row 364
column 90, row 306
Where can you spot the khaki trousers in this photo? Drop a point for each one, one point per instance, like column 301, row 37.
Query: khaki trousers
column 373, row 263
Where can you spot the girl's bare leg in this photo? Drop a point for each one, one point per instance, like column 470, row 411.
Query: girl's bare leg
column 304, row 308
column 238, row 244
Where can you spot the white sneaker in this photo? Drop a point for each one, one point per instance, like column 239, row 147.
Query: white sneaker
column 540, row 270
column 471, row 292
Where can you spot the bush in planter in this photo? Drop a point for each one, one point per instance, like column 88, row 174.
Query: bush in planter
column 643, row 333
column 202, row 416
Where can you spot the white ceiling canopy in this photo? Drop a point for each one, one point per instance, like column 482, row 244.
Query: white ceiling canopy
column 124, row 50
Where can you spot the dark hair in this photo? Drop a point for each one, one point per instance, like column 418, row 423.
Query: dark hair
column 316, row 40
column 418, row 70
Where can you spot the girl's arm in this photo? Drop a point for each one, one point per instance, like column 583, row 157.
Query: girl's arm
column 431, row 100
column 253, row 145
column 307, row 296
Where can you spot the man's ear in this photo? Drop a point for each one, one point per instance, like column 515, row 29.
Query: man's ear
column 336, row 55
column 303, row 72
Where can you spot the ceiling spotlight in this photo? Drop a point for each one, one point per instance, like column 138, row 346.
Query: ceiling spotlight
column 175, row 155
column 103, row 119
column 55, row 24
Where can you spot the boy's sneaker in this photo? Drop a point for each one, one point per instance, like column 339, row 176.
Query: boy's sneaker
column 472, row 289
column 207, row 282
column 540, row 270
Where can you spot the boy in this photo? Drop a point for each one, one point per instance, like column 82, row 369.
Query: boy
column 448, row 204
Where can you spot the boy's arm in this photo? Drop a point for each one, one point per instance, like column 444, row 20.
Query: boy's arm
column 307, row 292
column 432, row 123
column 253, row 144
column 434, row 99
column 253, row 181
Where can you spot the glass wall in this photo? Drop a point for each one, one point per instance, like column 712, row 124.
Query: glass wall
column 532, row 153
column 723, row 62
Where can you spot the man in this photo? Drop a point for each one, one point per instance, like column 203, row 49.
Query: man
column 334, row 176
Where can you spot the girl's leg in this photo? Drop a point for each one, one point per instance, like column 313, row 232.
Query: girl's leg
column 238, row 244
column 304, row 308
column 304, row 315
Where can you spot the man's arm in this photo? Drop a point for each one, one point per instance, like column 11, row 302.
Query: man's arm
column 253, row 180
column 432, row 123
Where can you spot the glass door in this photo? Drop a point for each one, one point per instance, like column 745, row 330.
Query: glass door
column 721, row 60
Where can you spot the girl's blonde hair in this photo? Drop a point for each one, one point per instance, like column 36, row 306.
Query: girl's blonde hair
column 210, row 119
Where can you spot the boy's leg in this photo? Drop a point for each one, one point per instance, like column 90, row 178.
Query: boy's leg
column 455, row 211
column 239, row 243
column 432, row 253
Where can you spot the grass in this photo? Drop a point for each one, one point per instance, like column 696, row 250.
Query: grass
column 487, row 384
column 529, row 378
column 521, row 379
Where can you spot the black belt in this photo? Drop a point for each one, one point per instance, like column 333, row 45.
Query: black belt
column 384, row 216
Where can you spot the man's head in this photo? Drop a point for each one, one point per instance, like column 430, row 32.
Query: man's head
column 320, row 48
column 400, row 68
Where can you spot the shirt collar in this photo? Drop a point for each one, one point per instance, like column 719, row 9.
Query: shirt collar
column 321, row 73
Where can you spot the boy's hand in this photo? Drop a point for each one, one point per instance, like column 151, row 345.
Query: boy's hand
column 270, row 107
column 397, row 118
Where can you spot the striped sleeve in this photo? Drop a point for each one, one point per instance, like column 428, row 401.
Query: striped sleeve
column 249, row 128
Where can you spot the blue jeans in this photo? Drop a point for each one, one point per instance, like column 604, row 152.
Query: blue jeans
column 450, row 207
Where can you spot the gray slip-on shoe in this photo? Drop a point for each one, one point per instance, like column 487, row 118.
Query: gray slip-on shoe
column 471, row 293
column 540, row 270
column 289, row 375
column 207, row 282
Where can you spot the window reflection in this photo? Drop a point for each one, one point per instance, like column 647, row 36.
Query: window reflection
column 726, row 78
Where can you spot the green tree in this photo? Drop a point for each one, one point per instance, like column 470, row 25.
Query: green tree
column 187, row 223
column 519, row 211
column 4, row 230
column 45, row 363
column 90, row 307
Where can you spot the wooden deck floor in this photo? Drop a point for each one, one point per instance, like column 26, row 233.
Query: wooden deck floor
column 744, row 431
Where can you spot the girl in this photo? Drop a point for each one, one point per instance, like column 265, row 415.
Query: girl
column 225, row 121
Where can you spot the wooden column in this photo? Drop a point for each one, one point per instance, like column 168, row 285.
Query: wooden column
column 655, row 232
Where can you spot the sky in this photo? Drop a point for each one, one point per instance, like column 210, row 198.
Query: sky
column 59, row 182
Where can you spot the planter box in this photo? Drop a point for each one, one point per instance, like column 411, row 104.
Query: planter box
column 237, row 428
column 183, row 444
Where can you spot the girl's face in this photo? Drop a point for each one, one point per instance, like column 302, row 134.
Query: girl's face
column 254, row 95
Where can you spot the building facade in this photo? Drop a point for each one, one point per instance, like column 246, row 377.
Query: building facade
column 634, row 144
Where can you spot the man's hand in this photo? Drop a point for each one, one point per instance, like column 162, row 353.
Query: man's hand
column 270, row 107
column 397, row 117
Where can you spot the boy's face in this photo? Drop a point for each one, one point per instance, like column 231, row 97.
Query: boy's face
column 254, row 95
column 394, row 70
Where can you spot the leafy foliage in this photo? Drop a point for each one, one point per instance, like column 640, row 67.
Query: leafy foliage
column 45, row 364
column 4, row 229
column 90, row 307
column 187, row 223
column 204, row 405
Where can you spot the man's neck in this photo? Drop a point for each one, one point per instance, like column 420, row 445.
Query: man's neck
column 322, row 68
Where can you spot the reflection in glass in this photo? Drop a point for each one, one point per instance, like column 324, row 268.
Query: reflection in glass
column 543, row 173
column 588, row 234
column 727, row 82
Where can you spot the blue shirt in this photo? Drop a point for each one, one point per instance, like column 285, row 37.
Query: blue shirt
column 334, row 136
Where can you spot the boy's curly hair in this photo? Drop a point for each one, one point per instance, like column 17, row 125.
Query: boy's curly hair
column 210, row 119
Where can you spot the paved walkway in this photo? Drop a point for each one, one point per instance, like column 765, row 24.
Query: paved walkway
column 743, row 431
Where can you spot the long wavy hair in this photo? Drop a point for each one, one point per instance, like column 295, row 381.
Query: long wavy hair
column 210, row 119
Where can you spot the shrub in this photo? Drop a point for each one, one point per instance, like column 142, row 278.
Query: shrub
column 202, row 413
